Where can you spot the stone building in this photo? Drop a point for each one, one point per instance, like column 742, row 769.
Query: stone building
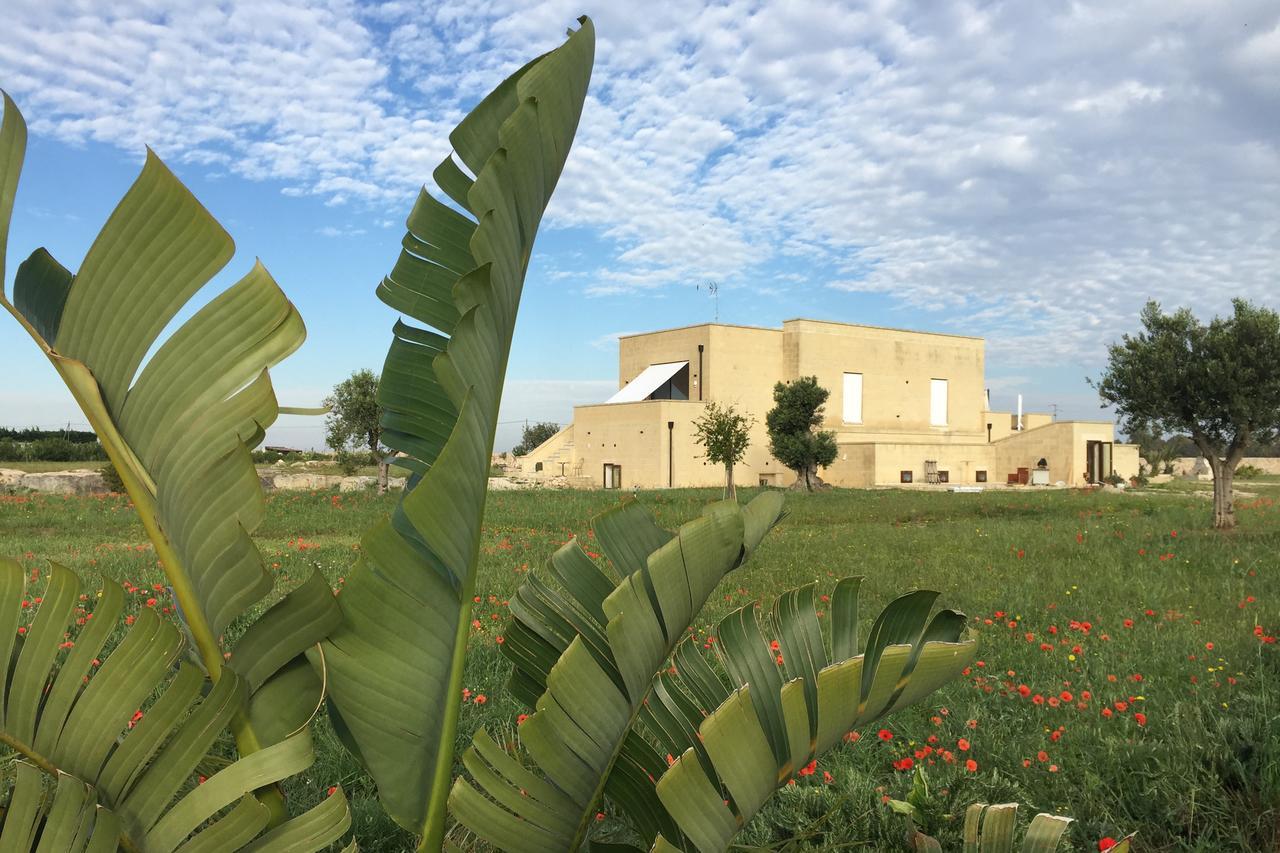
column 906, row 407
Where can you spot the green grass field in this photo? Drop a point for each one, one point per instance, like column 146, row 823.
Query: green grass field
column 1137, row 634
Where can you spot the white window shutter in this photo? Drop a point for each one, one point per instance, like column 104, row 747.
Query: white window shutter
column 937, row 402
column 852, row 398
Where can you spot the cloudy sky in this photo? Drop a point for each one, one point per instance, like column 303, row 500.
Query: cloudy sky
column 1028, row 172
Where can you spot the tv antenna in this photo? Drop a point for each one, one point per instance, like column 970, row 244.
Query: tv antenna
column 1054, row 406
column 714, row 290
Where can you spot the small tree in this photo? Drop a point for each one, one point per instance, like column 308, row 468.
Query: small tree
column 1218, row 383
column 533, row 436
column 355, row 418
column 794, row 437
column 724, row 434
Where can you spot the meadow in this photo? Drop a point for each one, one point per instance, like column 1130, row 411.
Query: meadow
column 1128, row 666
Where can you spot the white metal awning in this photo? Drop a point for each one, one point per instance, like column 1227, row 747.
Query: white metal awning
column 649, row 380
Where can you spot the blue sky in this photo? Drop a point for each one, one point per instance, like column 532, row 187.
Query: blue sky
column 1031, row 173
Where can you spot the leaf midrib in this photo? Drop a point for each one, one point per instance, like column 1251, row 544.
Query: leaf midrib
column 46, row 766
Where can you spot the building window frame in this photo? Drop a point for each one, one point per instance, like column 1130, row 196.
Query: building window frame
column 851, row 390
column 612, row 476
column 905, row 477
column 939, row 414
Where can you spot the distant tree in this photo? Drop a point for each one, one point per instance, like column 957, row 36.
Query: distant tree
column 533, row 436
column 794, row 437
column 1217, row 383
column 724, row 433
column 355, row 418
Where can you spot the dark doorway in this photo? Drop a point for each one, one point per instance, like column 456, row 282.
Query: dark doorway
column 612, row 476
column 1097, row 461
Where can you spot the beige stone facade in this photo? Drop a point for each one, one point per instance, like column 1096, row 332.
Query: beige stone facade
column 906, row 407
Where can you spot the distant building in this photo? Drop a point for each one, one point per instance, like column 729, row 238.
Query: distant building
column 906, row 407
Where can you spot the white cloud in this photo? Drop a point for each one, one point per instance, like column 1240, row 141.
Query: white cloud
column 610, row 341
column 344, row 231
column 1027, row 172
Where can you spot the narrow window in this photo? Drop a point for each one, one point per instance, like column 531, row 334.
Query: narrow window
column 937, row 402
column 853, row 398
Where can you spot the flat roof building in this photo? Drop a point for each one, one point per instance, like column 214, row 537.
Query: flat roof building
column 907, row 408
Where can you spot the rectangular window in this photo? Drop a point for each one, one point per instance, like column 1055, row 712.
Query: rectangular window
column 853, row 398
column 937, row 402
column 980, row 477
column 944, row 476
column 904, row 477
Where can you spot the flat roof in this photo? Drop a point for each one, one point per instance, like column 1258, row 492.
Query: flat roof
column 882, row 328
column 802, row 320
column 698, row 326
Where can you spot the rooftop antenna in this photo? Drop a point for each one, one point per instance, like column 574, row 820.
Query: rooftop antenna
column 715, row 294
column 1054, row 406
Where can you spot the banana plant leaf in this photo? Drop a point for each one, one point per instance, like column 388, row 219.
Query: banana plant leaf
column 991, row 829
column 108, row 737
column 396, row 663
column 781, row 707
column 585, row 660
column 179, row 429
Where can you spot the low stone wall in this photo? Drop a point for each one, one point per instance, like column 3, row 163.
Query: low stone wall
column 1184, row 465
column 89, row 482
column 280, row 481
column 83, row 482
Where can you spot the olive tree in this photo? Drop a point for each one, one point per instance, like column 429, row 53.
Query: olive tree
column 794, row 437
column 534, row 436
column 355, row 418
column 724, row 434
column 1215, row 382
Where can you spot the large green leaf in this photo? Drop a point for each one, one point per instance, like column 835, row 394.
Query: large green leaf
column 590, row 655
column 179, row 429
column 396, row 663
column 780, row 708
column 117, row 733
column 990, row 829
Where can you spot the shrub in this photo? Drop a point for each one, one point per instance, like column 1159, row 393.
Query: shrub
column 348, row 462
column 111, row 478
column 1249, row 472
column 62, row 450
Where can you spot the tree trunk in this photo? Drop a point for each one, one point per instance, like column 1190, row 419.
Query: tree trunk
column 730, row 490
column 1224, row 472
column 382, row 476
column 1224, row 511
